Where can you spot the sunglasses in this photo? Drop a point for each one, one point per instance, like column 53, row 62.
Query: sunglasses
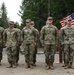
column 49, row 19
column 69, row 20
column 27, row 22
column 11, row 24
column 32, row 24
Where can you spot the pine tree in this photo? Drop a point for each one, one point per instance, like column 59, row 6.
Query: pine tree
column 4, row 19
column 39, row 10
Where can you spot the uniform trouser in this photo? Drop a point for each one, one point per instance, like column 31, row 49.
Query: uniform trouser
column 34, row 55
column 49, row 51
column 69, row 53
column 29, row 52
column 1, row 50
column 17, row 54
column 11, row 54
column 63, row 54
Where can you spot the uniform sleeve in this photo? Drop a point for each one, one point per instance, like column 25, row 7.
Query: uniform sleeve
column 19, row 36
column 42, row 34
column 4, row 36
column 61, row 35
column 56, row 36
column 1, row 40
column 37, row 35
column 22, row 35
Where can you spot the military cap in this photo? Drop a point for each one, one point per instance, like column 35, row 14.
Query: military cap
column 32, row 22
column 11, row 22
column 50, row 18
column 28, row 20
column 65, row 21
column 68, row 19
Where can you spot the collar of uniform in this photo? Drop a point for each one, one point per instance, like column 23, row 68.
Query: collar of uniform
column 11, row 28
column 68, row 26
column 49, row 25
column 28, row 27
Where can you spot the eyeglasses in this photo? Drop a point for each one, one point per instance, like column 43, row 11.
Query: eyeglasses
column 69, row 20
column 49, row 19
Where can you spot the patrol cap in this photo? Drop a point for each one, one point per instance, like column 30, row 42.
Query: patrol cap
column 68, row 19
column 50, row 18
column 65, row 21
column 32, row 22
column 11, row 22
column 28, row 20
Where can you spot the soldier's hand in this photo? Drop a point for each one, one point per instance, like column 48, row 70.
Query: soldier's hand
column 35, row 44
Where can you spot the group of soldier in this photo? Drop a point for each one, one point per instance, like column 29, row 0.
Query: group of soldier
column 12, row 38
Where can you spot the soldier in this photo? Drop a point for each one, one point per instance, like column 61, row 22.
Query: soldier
column 49, row 40
column 28, row 38
column 67, row 39
column 36, row 45
column 1, row 42
column 18, row 46
column 11, row 38
column 63, row 54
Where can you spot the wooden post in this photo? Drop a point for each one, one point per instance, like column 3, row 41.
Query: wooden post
column 60, row 54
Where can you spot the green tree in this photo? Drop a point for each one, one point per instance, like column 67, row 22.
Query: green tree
column 39, row 10
column 4, row 19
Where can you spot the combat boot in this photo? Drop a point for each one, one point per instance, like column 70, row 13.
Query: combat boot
column 66, row 67
column 31, row 66
column 27, row 66
column 63, row 65
column 51, row 66
column 9, row 66
column 14, row 66
column 71, row 65
column 47, row 67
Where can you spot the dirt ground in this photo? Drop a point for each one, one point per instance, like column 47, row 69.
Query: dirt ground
column 38, row 70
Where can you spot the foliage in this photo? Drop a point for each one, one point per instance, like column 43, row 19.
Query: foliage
column 3, row 16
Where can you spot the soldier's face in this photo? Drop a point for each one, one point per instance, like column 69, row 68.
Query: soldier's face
column 50, row 21
column 28, row 23
column 11, row 25
column 69, row 22
column 32, row 25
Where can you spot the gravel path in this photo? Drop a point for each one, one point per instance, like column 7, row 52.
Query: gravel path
column 38, row 70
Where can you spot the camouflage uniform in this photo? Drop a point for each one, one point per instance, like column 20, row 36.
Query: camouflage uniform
column 29, row 39
column 1, row 42
column 62, row 46
column 49, row 39
column 18, row 47
column 35, row 52
column 10, row 38
column 36, row 43
column 67, row 40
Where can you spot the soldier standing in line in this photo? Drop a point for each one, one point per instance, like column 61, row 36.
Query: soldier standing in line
column 48, row 39
column 1, row 42
column 11, row 38
column 67, row 39
column 18, row 46
column 36, row 45
column 62, row 46
column 29, row 39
